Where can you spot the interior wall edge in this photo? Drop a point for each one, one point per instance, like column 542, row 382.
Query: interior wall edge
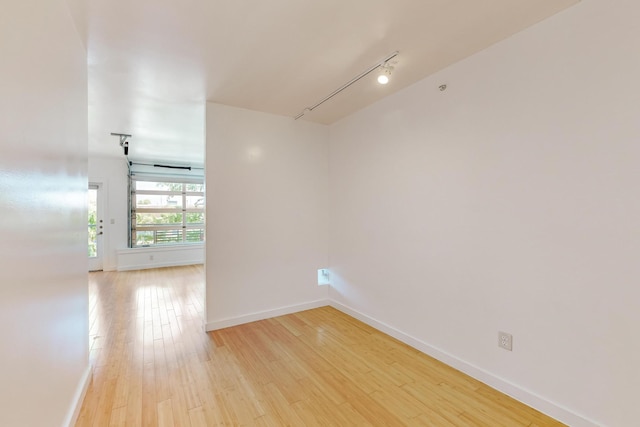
column 78, row 398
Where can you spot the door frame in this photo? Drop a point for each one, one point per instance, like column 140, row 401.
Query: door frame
column 96, row 263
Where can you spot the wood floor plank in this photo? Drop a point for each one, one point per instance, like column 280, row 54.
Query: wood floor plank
column 118, row 417
column 154, row 366
column 165, row 414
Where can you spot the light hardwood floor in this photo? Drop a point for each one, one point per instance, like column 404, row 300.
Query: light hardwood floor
column 154, row 366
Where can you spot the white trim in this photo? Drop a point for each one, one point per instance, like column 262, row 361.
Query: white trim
column 159, row 265
column 525, row 396
column 78, row 398
column 161, row 248
column 261, row 315
column 108, row 261
column 167, row 256
column 188, row 176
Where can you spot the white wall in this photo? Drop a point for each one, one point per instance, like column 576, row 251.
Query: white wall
column 266, row 181
column 507, row 202
column 43, row 185
column 112, row 173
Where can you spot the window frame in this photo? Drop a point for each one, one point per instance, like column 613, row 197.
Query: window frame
column 181, row 229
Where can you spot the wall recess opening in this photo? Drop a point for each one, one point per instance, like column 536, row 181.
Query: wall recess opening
column 323, row 277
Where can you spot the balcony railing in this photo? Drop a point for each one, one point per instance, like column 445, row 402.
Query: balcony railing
column 171, row 236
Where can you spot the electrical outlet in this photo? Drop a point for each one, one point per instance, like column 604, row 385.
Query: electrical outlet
column 505, row 341
column 150, row 257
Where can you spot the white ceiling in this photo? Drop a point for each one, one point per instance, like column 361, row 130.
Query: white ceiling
column 154, row 63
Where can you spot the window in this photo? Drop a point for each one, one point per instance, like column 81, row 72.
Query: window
column 166, row 211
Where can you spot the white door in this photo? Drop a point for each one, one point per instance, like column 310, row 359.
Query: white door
column 96, row 227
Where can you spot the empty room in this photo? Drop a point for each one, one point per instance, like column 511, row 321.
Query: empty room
column 320, row 213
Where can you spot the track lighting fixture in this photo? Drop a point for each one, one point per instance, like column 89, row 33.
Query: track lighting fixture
column 123, row 141
column 385, row 73
column 383, row 65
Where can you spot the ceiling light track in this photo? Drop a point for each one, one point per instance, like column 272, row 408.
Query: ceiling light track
column 349, row 83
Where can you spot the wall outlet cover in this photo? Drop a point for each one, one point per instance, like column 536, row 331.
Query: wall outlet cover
column 505, row 341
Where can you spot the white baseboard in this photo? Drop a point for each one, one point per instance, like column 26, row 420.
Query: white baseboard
column 158, row 265
column 159, row 256
column 267, row 314
column 525, row 396
column 78, row 398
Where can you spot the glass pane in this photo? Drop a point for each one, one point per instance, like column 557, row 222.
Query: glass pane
column 158, row 218
column 158, row 237
column 195, row 235
column 168, row 236
column 158, row 201
column 195, row 218
column 195, row 202
column 158, row 186
column 195, row 187
column 144, row 238
column 93, row 217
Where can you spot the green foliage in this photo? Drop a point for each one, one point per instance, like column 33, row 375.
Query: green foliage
column 195, row 235
column 144, row 238
column 173, row 186
column 92, row 217
column 195, row 187
column 195, row 218
column 93, row 244
column 163, row 218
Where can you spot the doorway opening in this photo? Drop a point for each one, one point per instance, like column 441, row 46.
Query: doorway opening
column 95, row 227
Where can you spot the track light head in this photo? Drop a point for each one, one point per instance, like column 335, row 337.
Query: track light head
column 123, row 141
column 385, row 73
